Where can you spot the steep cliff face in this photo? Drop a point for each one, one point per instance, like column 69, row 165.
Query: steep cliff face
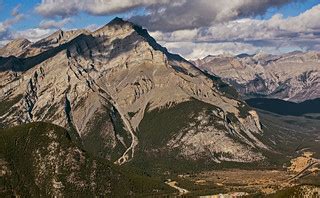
column 106, row 85
column 293, row 76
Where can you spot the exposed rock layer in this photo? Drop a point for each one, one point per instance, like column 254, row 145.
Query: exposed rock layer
column 294, row 76
column 102, row 84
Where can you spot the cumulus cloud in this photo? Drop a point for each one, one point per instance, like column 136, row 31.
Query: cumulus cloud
column 277, row 27
column 47, row 24
column 201, row 13
column 163, row 15
column 277, row 33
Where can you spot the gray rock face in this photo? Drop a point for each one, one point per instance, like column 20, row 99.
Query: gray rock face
column 101, row 84
column 294, row 76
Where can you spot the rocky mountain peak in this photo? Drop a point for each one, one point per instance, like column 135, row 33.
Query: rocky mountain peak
column 18, row 42
column 117, row 26
column 58, row 33
column 14, row 48
column 59, row 37
column 106, row 86
column 118, row 21
column 121, row 29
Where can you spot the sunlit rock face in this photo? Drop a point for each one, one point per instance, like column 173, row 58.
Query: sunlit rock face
column 293, row 76
column 104, row 84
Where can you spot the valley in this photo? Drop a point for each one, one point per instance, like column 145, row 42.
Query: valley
column 298, row 165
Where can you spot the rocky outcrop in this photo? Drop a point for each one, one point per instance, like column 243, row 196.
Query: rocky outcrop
column 102, row 85
column 293, row 76
column 15, row 48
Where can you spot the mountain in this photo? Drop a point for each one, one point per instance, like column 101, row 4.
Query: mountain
column 40, row 159
column 293, row 76
column 113, row 113
column 127, row 99
column 15, row 47
column 23, row 48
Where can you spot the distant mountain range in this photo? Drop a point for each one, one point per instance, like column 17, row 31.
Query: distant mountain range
column 293, row 76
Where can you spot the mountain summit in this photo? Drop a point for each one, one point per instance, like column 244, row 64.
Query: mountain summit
column 126, row 98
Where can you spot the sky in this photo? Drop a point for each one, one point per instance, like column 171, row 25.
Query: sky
column 191, row 28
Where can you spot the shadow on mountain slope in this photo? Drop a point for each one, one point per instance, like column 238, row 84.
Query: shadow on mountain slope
column 282, row 107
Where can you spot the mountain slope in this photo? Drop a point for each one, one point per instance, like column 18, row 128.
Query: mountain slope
column 104, row 85
column 39, row 159
column 293, row 76
column 14, row 48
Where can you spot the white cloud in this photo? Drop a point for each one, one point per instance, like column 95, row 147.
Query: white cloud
column 304, row 25
column 3, row 42
column 47, row 24
column 45, row 28
column 192, row 51
column 163, row 15
column 6, row 25
column 32, row 34
column 65, row 8
column 202, row 13
column 275, row 35
column 92, row 27
column 15, row 10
